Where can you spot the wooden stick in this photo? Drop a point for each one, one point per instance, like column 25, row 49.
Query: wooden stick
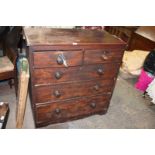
column 22, row 92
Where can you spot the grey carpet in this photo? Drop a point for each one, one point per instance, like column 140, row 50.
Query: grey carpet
column 128, row 110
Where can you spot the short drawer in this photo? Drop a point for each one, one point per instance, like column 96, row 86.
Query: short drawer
column 102, row 56
column 57, row 58
column 87, row 72
column 71, row 109
column 72, row 90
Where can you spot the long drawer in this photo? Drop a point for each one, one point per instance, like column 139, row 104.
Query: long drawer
column 71, row 109
column 102, row 56
column 86, row 72
column 55, row 58
column 72, row 90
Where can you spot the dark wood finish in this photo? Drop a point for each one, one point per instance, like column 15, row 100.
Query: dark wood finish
column 123, row 32
column 73, row 58
column 6, row 75
column 72, row 90
column 143, row 39
column 73, row 37
column 102, row 56
column 87, row 72
column 71, row 109
column 84, row 86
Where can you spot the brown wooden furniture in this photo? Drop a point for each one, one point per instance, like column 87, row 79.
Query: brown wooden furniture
column 143, row 39
column 72, row 72
column 123, row 32
column 9, row 44
column 8, row 66
column 4, row 113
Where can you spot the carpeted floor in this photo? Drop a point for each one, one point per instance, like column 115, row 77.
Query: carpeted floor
column 127, row 110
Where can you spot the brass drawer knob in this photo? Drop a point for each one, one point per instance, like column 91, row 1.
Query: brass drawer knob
column 93, row 105
column 57, row 111
column 57, row 93
column 96, row 87
column 58, row 75
column 100, row 71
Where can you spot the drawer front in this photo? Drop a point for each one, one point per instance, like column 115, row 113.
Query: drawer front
column 102, row 56
column 72, row 90
column 57, row 58
column 62, row 111
column 87, row 72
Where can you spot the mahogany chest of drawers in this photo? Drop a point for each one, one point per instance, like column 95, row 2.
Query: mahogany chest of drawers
column 72, row 72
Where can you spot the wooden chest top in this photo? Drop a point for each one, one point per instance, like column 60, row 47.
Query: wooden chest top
column 50, row 36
